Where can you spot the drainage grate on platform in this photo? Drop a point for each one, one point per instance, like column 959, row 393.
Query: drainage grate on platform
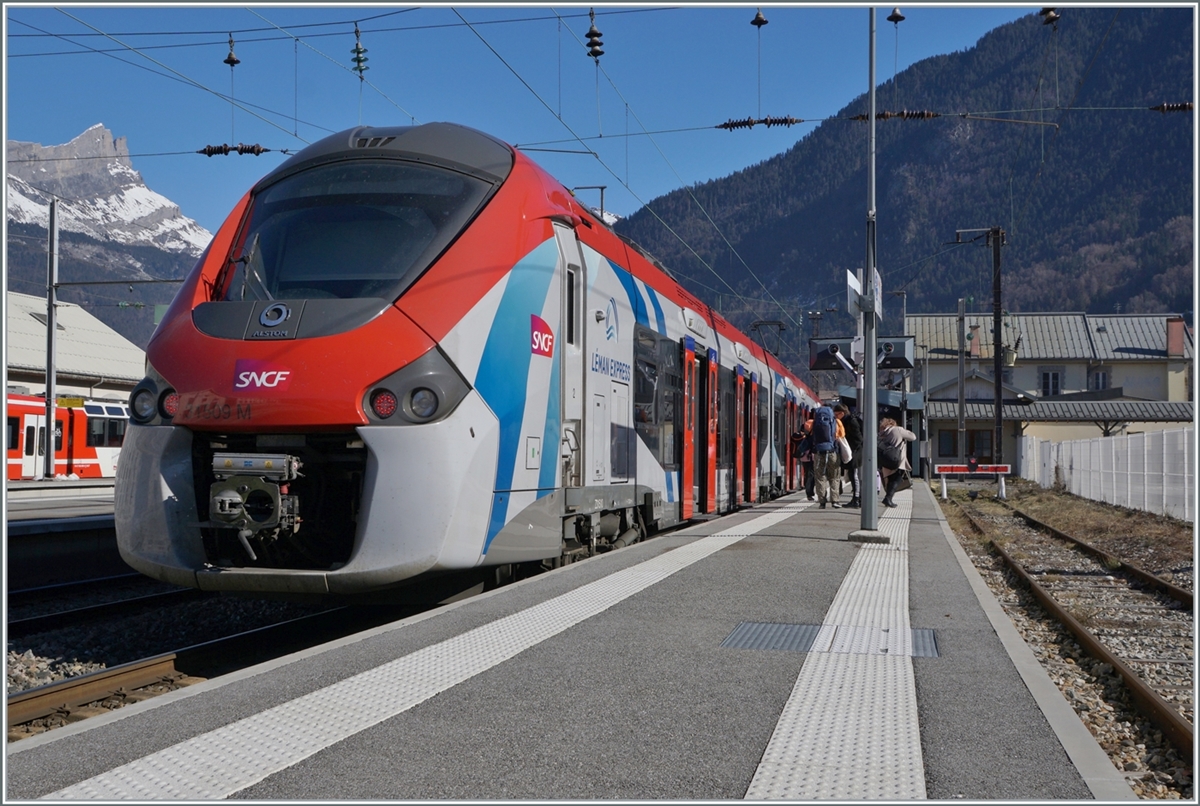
column 757, row 635
column 800, row 638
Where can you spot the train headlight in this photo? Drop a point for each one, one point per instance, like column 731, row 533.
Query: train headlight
column 142, row 405
column 426, row 391
column 383, row 403
column 424, row 403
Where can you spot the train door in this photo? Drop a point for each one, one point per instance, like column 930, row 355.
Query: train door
column 571, row 353
column 687, row 486
column 751, row 440
column 710, row 446
column 621, row 435
column 739, row 436
column 34, row 449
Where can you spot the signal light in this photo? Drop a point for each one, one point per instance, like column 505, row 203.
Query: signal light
column 383, row 403
column 170, row 403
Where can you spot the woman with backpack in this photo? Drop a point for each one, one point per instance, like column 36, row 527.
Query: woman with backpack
column 892, row 438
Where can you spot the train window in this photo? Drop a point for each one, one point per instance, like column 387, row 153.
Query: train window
column 571, row 274
column 93, row 409
column 12, row 433
column 116, row 411
column 361, row 228
column 58, row 435
column 97, row 432
column 116, row 432
column 29, row 433
column 726, row 432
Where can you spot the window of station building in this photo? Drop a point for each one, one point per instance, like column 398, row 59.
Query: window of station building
column 1099, row 380
column 979, row 444
column 1051, row 380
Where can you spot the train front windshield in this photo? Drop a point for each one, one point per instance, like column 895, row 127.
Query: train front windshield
column 349, row 229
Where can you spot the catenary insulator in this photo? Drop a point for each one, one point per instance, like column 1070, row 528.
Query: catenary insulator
column 731, row 124
column 896, row 17
column 1186, row 106
column 594, row 43
column 759, row 20
column 231, row 60
column 1052, row 16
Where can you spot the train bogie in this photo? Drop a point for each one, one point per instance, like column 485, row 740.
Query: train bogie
column 522, row 386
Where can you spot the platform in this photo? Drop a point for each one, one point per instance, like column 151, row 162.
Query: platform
column 762, row 656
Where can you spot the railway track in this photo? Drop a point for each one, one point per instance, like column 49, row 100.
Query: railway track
column 66, row 701
column 1139, row 625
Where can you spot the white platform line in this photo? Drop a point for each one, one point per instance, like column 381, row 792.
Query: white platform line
column 850, row 730
column 226, row 760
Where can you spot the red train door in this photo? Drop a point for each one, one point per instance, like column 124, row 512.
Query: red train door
column 710, row 486
column 687, row 499
column 739, row 437
column 752, row 439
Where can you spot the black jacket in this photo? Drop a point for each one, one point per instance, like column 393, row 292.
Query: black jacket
column 854, row 437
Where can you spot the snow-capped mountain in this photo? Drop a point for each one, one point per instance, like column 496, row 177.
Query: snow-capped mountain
column 101, row 195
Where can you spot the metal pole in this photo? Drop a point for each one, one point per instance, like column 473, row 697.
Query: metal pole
column 962, row 376
column 51, row 332
column 997, row 236
column 870, row 412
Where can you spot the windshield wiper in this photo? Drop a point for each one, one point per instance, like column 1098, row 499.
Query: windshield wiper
column 249, row 270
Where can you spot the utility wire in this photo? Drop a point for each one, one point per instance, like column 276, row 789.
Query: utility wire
column 597, row 156
column 188, row 80
column 696, row 201
column 362, row 80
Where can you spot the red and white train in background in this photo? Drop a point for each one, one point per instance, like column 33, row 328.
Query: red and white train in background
column 87, row 436
column 410, row 352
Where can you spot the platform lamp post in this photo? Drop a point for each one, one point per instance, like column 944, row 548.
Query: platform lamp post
column 51, row 334
column 868, row 531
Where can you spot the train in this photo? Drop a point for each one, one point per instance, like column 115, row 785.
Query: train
column 88, row 435
column 409, row 354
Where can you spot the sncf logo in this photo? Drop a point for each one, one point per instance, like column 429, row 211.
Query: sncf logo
column 260, row 375
column 542, row 337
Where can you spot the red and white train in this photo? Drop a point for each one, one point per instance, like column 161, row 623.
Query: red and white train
column 410, row 352
column 87, row 437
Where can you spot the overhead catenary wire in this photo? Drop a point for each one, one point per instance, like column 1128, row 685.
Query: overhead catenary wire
column 181, row 80
column 696, row 201
column 188, row 79
column 361, row 78
column 567, row 126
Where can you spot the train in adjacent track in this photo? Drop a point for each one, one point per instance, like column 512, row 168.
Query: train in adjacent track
column 87, row 436
column 408, row 353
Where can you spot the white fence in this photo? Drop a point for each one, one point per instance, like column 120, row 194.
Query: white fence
column 1152, row 471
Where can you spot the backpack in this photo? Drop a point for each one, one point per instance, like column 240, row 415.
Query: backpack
column 823, row 430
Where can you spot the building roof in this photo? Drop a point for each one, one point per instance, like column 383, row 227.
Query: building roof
column 1051, row 336
column 1083, row 411
column 84, row 348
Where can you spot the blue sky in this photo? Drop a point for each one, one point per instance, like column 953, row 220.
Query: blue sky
column 520, row 73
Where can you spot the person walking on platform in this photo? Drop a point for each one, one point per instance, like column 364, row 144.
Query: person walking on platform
column 892, row 436
column 826, row 462
column 854, row 437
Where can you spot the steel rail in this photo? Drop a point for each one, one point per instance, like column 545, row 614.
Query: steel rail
column 83, row 615
column 63, row 695
column 1158, row 583
column 1177, row 730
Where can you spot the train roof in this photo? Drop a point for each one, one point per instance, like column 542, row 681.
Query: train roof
column 446, row 145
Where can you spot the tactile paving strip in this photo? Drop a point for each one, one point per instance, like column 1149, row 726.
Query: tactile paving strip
column 223, row 761
column 849, row 730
